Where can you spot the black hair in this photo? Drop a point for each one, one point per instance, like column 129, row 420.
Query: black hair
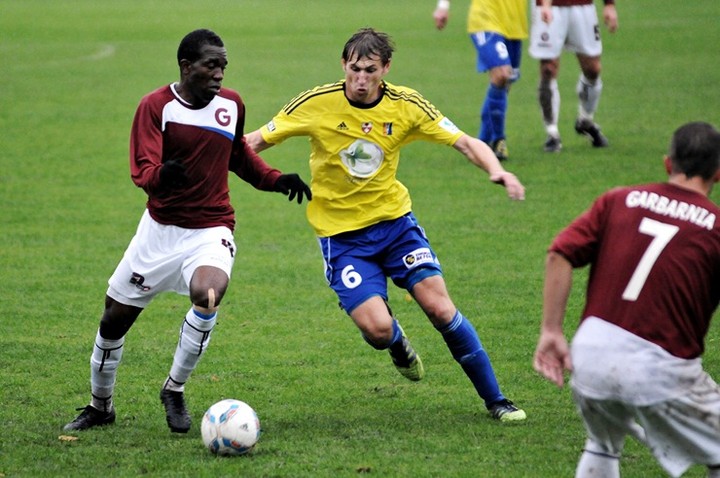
column 191, row 44
column 695, row 150
column 368, row 42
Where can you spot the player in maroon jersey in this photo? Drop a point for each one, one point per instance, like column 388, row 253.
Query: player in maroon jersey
column 654, row 284
column 571, row 25
column 186, row 137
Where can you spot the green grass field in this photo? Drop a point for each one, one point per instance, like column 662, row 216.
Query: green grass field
column 330, row 406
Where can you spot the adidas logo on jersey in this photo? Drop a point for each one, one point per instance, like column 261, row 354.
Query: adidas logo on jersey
column 342, row 127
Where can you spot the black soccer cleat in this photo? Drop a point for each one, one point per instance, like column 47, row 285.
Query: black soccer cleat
column 552, row 144
column 89, row 418
column 592, row 131
column 178, row 418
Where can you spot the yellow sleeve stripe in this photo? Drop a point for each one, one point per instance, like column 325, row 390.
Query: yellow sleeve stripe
column 415, row 98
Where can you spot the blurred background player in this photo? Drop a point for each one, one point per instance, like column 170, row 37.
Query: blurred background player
column 362, row 214
column 654, row 253
column 572, row 25
column 185, row 139
column 497, row 29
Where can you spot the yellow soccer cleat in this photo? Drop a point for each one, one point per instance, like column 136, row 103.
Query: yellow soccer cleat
column 506, row 411
column 409, row 364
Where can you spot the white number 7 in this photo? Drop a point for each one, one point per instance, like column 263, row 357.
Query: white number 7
column 661, row 233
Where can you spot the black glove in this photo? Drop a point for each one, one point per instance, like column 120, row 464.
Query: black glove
column 172, row 174
column 292, row 185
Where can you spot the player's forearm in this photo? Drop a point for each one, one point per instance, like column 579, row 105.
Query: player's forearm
column 146, row 148
column 252, row 169
column 145, row 174
column 256, row 141
column 479, row 154
column 556, row 290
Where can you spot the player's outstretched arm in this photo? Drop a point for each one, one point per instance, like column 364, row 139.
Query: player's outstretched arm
column 483, row 157
column 291, row 184
column 552, row 354
column 256, row 141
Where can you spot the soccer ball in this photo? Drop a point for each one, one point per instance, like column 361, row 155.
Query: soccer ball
column 230, row 427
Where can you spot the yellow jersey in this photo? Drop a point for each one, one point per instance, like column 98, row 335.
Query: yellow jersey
column 355, row 151
column 506, row 17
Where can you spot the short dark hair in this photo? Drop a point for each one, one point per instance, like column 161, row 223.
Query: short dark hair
column 695, row 150
column 191, row 44
column 368, row 42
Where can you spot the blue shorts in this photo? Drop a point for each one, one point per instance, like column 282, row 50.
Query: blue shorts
column 358, row 263
column 495, row 50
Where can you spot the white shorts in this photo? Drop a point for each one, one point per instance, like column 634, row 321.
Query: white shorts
column 573, row 28
column 163, row 258
column 680, row 432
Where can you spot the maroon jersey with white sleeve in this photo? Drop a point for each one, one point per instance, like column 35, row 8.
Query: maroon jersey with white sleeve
column 209, row 142
column 654, row 252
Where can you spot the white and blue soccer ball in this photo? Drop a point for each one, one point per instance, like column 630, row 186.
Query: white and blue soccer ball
column 230, row 427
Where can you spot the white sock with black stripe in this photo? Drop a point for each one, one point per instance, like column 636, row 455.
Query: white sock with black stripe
column 194, row 339
column 104, row 362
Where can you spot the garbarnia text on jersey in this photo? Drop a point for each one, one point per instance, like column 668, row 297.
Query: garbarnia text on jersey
column 671, row 207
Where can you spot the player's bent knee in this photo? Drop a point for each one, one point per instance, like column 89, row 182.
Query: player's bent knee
column 377, row 335
column 377, row 342
column 439, row 312
column 208, row 304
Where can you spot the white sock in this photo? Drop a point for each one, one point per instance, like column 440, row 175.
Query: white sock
column 588, row 95
column 597, row 466
column 194, row 339
column 549, row 97
column 104, row 362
